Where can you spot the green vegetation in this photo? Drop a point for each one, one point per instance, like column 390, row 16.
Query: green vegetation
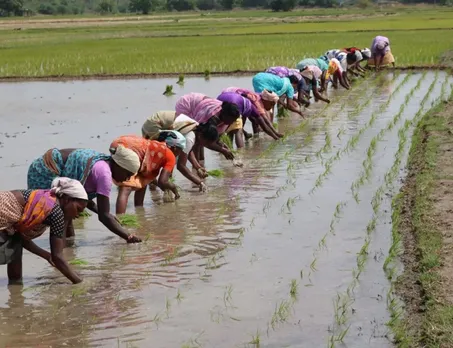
column 216, row 173
column 78, row 262
column 84, row 214
column 129, row 220
column 431, row 327
column 169, row 90
column 190, row 44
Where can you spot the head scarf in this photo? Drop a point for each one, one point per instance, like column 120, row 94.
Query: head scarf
column 366, row 53
column 175, row 139
column 358, row 56
column 158, row 121
column 68, row 187
column 380, row 45
column 308, row 74
column 126, row 158
column 269, row 96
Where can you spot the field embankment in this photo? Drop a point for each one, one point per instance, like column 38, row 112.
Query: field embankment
column 424, row 220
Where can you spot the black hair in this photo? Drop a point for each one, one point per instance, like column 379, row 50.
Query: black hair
column 351, row 57
column 293, row 79
column 208, row 131
column 229, row 110
column 164, row 135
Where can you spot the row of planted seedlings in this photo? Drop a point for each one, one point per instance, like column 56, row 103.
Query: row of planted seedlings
column 343, row 301
column 351, row 144
column 297, row 164
column 390, row 264
column 284, row 307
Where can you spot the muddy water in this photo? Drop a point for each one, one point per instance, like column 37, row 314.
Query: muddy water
column 215, row 266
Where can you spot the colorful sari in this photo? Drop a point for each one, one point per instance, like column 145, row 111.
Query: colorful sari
column 78, row 166
column 187, row 104
column 273, row 83
column 36, row 210
column 254, row 98
column 153, row 155
column 207, row 109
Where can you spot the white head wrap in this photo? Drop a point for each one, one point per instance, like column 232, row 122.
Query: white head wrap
column 126, row 159
column 308, row 74
column 366, row 53
column 69, row 187
column 269, row 96
column 358, row 56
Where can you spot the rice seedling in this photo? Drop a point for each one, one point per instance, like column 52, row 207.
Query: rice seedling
column 228, row 296
column 78, row 262
column 216, row 173
column 207, row 74
column 84, row 214
column 282, row 112
column 224, row 138
column 193, row 342
column 128, row 220
column 180, row 80
column 157, row 319
column 168, row 91
column 275, row 125
column 123, row 254
column 256, row 339
column 281, row 313
column 179, row 297
column 293, row 291
column 313, row 265
column 167, row 307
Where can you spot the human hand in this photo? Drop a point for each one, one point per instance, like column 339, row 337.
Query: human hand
column 228, row 154
column 203, row 187
column 132, row 238
column 177, row 195
column 202, row 172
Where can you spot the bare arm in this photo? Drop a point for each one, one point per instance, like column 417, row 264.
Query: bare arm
column 109, row 221
column 316, row 93
column 92, row 206
column 164, row 182
column 218, row 148
column 267, row 127
column 182, row 167
column 56, row 249
column 293, row 106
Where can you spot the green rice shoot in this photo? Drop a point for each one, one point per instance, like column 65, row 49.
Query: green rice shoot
column 224, row 138
column 275, row 125
column 169, row 90
column 129, row 220
column 216, row 173
column 78, row 262
column 282, row 112
column 84, row 214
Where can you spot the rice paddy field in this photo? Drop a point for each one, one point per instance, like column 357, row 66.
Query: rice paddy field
column 295, row 249
column 215, row 42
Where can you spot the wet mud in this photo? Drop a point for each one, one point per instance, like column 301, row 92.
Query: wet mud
column 269, row 254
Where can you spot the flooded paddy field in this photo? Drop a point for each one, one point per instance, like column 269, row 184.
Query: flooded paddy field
column 290, row 251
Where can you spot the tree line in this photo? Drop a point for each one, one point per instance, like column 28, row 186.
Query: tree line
column 52, row 7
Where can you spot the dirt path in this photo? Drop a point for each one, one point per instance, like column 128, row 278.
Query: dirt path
column 426, row 228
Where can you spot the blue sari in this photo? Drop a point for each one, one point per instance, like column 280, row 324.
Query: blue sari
column 78, row 166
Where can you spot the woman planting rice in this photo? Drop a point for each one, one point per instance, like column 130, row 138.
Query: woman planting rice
column 263, row 103
column 196, row 135
column 319, row 63
column 157, row 158
column 365, row 54
column 381, row 54
column 283, row 87
column 212, row 111
column 25, row 215
column 247, row 110
column 302, row 90
column 95, row 171
column 312, row 74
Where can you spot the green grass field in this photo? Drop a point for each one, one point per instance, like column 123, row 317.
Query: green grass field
column 242, row 40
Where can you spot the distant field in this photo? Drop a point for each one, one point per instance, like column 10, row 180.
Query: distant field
column 243, row 40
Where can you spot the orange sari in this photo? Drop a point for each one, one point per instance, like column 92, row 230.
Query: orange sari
column 37, row 209
column 154, row 156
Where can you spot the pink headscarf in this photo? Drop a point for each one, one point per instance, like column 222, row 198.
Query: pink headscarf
column 187, row 103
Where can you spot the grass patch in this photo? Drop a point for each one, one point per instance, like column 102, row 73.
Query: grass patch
column 129, row 220
column 429, row 323
column 214, row 45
